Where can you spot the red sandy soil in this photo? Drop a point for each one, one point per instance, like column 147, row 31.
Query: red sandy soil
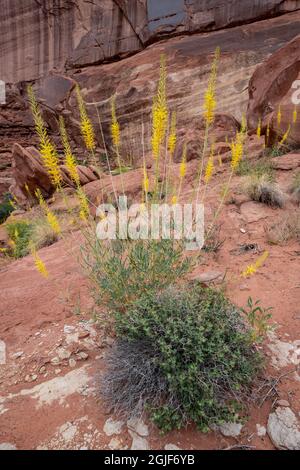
column 69, row 413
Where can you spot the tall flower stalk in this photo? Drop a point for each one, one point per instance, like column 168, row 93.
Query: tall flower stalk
column 86, row 126
column 51, row 217
column 210, row 104
column 159, row 119
column 70, row 161
column 237, row 151
column 46, row 147
column 116, row 136
column 208, row 171
column 172, row 140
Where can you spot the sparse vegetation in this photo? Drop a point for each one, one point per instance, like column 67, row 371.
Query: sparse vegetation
column 124, row 270
column 284, row 230
column 259, row 318
column 261, row 189
column 213, row 240
column 259, row 168
column 277, row 150
column 6, row 207
column 25, row 235
column 189, row 356
column 42, row 233
column 19, row 233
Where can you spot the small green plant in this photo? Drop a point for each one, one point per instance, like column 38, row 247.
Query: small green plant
column 260, row 168
column 37, row 233
column 125, row 270
column 6, row 207
column 187, row 356
column 19, row 233
column 259, row 318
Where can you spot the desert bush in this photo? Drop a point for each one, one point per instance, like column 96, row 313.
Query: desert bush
column 25, row 235
column 199, row 350
column 295, row 187
column 125, row 270
column 6, row 208
column 133, row 379
column 42, row 233
column 19, row 233
column 261, row 189
column 285, row 229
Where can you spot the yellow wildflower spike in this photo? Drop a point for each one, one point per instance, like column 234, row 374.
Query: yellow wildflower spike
column 87, row 130
column 285, row 136
column 210, row 93
column 209, row 167
column 159, row 112
column 70, row 161
column 145, row 181
column 51, row 218
column 182, row 167
column 279, row 116
column 114, row 128
column 27, row 189
column 84, row 205
column 295, row 115
column 47, row 148
column 252, row 268
column 174, row 200
column 172, row 137
column 39, row 264
column 53, row 222
column 268, row 133
column 258, row 130
column 237, row 150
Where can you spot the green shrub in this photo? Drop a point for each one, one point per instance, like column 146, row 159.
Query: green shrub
column 202, row 354
column 6, row 208
column 125, row 270
column 20, row 233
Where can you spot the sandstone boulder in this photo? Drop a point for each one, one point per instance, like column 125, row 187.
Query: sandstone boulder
column 29, row 174
column 291, row 161
column 272, row 87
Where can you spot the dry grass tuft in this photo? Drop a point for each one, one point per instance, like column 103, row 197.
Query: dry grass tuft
column 42, row 233
column 286, row 229
column 261, row 189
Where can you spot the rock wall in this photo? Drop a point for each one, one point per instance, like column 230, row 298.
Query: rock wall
column 37, row 36
column 189, row 58
column 113, row 47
